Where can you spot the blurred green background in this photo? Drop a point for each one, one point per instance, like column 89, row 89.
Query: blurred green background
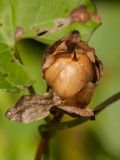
column 98, row 140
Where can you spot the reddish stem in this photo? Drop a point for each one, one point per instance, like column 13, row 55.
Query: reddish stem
column 41, row 147
column 44, row 142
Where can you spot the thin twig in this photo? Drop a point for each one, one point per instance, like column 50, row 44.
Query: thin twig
column 46, row 152
column 106, row 103
column 41, row 147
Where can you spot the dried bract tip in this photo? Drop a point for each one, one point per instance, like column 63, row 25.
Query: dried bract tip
column 74, row 58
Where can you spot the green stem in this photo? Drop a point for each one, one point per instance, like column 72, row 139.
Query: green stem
column 62, row 125
column 106, row 103
column 75, row 122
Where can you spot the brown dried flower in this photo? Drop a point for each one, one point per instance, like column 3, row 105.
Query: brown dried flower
column 72, row 71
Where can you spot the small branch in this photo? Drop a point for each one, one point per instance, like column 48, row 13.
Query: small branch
column 106, row 103
column 41, row 147
column 62, row 125
column 46, row 152
column 75, row 122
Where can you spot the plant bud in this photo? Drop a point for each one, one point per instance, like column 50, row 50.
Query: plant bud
column 69, row 65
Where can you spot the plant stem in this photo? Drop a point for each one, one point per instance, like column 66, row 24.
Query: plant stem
column 46, row 152
column 106, row 103
column 43, row 147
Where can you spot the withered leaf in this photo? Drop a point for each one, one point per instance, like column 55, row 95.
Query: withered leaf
column 74, row 111
column 30, row 108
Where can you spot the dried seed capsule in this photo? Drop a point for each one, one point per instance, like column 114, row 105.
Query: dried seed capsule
column 68, row 75
column 69, row 66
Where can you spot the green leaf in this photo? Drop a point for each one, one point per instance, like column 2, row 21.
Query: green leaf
column 13, row 75
column 36, row 20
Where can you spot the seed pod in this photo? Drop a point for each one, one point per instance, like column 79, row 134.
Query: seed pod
column 70, row 68
column 72, row 71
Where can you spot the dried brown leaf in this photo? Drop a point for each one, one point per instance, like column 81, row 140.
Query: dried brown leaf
column 74, row 111
column 30, row 108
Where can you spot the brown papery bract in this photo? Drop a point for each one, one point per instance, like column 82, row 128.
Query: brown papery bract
column 68, row 75
column 72, row 70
